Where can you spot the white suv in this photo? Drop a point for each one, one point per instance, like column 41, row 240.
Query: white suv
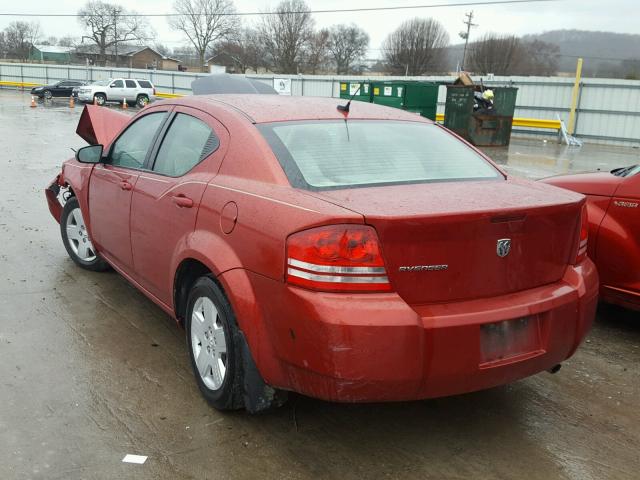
column 118, row 90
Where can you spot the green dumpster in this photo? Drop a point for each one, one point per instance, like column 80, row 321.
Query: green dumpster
column 414, row 96
column 482, row 128
column 360, row 91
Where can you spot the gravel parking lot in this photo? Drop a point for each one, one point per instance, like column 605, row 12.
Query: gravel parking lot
column 91, row 370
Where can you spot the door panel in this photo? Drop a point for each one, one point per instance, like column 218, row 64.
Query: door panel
column 111, row 188
column 116, row 92
column 110, row 191
column 164, row 207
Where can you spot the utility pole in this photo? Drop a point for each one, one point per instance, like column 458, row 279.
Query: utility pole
column 465, row 35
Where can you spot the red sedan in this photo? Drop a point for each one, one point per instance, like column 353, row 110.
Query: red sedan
column 613, row 203
column 357, row 256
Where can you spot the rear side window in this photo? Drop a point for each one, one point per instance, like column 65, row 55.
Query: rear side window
column 130, row 84
column 342, row 154
column 144, row 84
column 187, row 142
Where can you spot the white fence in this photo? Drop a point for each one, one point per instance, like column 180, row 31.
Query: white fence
column 608, row 110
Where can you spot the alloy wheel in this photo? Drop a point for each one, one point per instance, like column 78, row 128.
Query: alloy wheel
column 208, row 343
column 78, row 237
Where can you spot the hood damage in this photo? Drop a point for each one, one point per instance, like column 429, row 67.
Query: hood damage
column 98, row 125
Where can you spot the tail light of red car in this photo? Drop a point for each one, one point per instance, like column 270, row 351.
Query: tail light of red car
column 584, row 236
column 337, row 258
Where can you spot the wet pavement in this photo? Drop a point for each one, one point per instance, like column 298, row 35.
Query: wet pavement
column 91, row 370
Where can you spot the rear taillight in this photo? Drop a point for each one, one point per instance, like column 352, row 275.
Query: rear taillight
column 337, row 258
column 584, row 236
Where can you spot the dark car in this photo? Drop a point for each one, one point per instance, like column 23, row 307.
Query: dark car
column 63, row 88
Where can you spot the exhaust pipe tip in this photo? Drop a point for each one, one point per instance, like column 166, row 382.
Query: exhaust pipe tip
column 555, row 368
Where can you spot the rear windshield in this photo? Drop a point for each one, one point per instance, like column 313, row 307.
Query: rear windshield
column 144, row 84
column 342, row 154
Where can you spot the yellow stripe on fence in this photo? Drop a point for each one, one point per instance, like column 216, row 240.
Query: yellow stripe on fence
column 523, row 122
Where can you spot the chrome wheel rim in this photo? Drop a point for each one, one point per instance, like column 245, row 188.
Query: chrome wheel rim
column 142, row 101
column 99, row 100
column 78, row 237
column 208, row 343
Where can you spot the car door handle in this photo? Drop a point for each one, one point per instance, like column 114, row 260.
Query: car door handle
column 124, row 185
column 182, row 201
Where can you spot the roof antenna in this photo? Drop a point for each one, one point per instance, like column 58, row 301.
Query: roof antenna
column 345, row 108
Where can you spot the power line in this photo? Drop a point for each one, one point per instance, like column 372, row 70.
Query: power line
column 342, row 10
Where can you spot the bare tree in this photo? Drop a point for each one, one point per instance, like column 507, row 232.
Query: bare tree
column 205, row 22
column 49, row 41
column 286, row 33
column 317, row 52
column 347, row 45
column 108, row 25
column 416, row 47
column 19, row 36
column 242, row 52
column 538, row 58
column 3, row 45
column 493, row 53
column 68, row 41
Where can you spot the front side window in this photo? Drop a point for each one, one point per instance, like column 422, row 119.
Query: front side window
column 130, row 84
column 117, row 84
column 187, row 142
column 131, row 148
column 343, row 154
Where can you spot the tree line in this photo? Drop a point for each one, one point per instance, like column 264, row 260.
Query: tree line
column 286, row 40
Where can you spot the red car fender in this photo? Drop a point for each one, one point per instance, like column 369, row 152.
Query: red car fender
column 234, row 279
column 76, row 176
column 596, row 211
column 237, row 286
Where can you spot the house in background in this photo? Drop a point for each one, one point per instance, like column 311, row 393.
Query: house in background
column 50, row 53
column 129, row 56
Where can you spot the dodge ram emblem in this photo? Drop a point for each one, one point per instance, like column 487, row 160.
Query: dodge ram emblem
column 504, row 247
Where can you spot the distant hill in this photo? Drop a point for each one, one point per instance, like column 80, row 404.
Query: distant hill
column 601, row 50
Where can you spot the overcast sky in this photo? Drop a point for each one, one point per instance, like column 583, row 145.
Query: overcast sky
column 611, row 15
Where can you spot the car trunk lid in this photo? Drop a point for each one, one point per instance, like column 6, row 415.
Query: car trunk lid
column 441, row 240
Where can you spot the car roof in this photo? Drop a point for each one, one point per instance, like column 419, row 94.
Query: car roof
column 279, row 108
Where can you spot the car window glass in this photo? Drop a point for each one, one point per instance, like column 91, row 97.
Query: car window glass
column 63, row 84
column 144, row 84
column 130, row 150
column 187, row 142
column 330, row 154
column 130, row 84
column 118, row 84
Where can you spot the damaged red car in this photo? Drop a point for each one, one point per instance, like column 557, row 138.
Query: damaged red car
column 354, row 256
column 613, row 205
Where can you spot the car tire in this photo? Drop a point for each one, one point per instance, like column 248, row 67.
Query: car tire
column 47, row 95
column 76, row 238
column 214, row 345
column 142, row 101
column 100, row 98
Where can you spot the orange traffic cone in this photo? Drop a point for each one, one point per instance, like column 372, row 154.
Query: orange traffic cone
column 95, row 100
column 72, row 102
column 124, row 104
column 33, row 102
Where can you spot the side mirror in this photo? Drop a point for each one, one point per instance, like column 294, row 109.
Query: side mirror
column 90, row 154
column 113, row 85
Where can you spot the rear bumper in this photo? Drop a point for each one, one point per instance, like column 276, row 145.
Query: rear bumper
column 365, row 348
